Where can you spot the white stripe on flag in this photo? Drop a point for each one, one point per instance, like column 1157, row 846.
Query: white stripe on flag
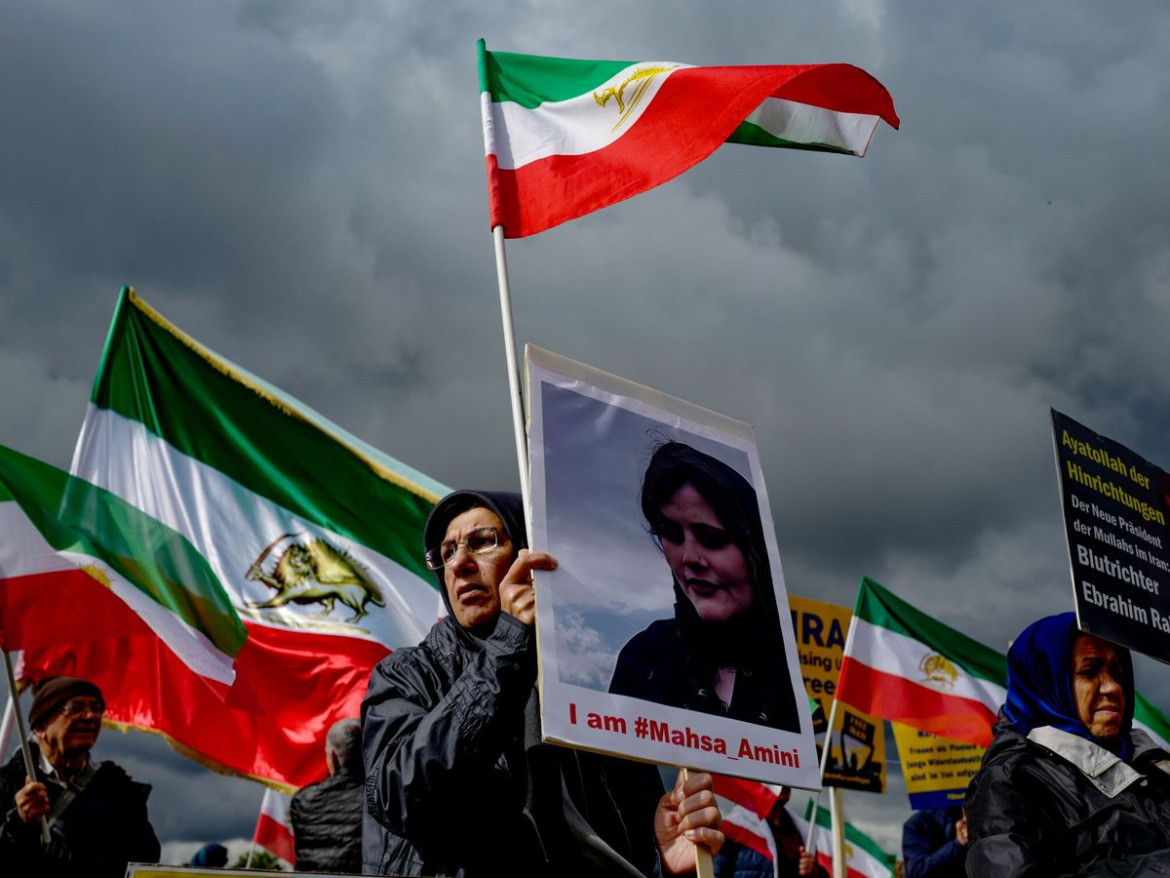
column 804, row 123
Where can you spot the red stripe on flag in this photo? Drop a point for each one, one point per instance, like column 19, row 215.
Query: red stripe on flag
column 747, row 838
column 895, row 698
column 60, row 606
column 276, row 837
column 750, row 794
column 694, row 112
column 291, row 686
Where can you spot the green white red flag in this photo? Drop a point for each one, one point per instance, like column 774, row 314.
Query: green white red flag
column 314, row 536
column 89, row 549
column 902, row 665
column 566, row 137
column 864, row 857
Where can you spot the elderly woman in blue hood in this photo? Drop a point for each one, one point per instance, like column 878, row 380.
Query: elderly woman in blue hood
column 458, row 782
column 723, row 652
column 1068, row 786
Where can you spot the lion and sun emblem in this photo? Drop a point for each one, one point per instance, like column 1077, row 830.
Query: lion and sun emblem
column 310, row 570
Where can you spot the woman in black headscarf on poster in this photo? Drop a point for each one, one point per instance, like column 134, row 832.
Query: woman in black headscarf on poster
column 1068, row 786
column 723, row 652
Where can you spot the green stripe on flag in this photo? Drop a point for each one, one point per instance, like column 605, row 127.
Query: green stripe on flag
column 881, row 607
column 1148, row 715
column 750, row 134
column 74, row 516
column 531, row 80
column 217, row 413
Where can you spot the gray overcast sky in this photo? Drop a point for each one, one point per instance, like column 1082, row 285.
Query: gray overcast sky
column 300, row 186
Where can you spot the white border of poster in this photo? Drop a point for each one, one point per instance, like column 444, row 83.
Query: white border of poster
column 591, row 435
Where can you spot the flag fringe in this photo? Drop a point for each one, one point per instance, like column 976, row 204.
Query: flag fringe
column 195, row 756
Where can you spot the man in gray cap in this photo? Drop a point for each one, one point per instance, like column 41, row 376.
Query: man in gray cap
column 96, row 813
column 458, row 782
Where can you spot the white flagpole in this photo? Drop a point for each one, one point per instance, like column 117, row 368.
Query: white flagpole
column 809, row 842
column 7, row 725
column 256, row 830
column 837, row 812
column 29, row 768
column 513, row 367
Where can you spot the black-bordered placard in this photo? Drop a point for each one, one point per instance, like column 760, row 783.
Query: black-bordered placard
column 1115, row 516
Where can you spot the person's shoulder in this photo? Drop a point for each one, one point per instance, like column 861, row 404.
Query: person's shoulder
column 436, row 646
column 424, row 668
column 305, row 793
column 112, row 773
column 653, row 637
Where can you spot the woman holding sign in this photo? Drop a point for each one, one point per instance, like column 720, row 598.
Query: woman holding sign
column 723, row 652
column 1068, row 786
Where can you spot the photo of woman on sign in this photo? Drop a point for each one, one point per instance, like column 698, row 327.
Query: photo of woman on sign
column 723, row 652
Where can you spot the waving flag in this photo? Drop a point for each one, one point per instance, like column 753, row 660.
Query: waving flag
column 314, row 536
column 565, row 137
column 88, row 549
column 744, row 806
column 864, row 857
column 902, row 665
column 274, row 830
column 1151, row 720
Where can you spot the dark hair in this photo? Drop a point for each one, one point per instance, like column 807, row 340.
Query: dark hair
column 733, row 499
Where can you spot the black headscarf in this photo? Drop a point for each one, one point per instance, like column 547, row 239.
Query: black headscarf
column 753, row 636
column 506, row 504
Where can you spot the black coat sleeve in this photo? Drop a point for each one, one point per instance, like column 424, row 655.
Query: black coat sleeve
column 425, row 749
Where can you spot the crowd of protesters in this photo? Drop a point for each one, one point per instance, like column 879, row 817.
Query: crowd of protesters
column 446, row 773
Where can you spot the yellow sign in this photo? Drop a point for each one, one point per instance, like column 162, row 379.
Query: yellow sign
column 857, row 760
column 937, row 770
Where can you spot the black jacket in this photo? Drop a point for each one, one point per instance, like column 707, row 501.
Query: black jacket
column 1055, row 804
column 458, row 783
column 327, row 823
column 103, row 829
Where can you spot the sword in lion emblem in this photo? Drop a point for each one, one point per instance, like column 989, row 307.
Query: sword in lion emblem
column 641, row 80
column 314, row 571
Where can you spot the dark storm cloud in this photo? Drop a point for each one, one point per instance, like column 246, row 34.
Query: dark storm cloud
column 300, row 186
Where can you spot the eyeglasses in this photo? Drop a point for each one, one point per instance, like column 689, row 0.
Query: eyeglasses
column 77, row 706
column 480, row 540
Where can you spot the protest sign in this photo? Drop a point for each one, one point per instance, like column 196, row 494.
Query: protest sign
column 857, row 758
column 660, row 635
column 1115, row 508
column 936, row 770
